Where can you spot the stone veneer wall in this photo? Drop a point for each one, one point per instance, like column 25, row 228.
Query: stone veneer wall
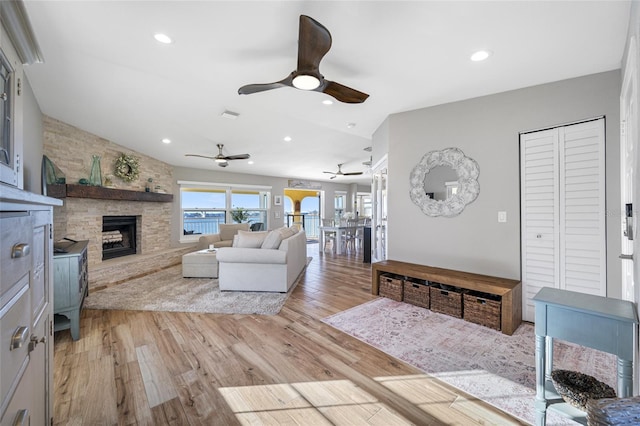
column 71, row 150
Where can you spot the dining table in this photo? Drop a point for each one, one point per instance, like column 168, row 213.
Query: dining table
column 340, row 232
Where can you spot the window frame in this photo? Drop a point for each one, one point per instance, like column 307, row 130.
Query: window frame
column 229, row 189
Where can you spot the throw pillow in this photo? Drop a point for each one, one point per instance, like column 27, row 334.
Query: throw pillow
column 272, row 241
column 248, row 239
column 286, row 232
column 228, row 230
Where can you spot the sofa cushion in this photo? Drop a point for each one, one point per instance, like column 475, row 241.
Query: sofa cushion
column 286, row 232
column 228, row 230
column 248, row 239
column 273, row 240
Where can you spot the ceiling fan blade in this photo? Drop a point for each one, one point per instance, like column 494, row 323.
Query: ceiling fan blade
column 261, row 87
column 343, row 93
column 331, row 173
column 202, row 156
column 237, row 157
column 352, row 174
column 314, row 41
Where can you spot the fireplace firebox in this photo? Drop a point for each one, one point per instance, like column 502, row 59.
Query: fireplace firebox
column 118, row 236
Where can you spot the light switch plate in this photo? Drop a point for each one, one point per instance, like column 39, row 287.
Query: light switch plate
column 502, row 217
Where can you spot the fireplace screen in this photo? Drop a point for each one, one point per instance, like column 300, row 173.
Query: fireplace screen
column 118, row 236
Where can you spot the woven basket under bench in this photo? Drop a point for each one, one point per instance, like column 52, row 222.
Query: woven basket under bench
column 391, row 286
column 483, row 309
column 446, row 299
column 416, row 292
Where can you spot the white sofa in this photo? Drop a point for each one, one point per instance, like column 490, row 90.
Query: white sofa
column 262, row 261
column 225, row 236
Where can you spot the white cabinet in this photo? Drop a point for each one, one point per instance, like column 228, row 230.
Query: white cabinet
column 562, row 206
column 26, row 308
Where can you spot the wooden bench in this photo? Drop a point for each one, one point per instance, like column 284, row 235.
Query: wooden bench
column 509, row 290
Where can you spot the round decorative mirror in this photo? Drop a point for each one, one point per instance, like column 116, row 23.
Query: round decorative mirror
column 444, row 182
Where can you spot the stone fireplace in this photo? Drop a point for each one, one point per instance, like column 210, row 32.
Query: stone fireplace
column 81, row 217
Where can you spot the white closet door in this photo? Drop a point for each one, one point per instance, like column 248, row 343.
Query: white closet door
column 539, row 177
column 562, row 181
column 582, row 208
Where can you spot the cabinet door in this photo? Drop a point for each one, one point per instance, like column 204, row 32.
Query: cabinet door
column 39, row 281
column 62, row 283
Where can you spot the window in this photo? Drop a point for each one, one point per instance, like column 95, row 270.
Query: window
column 249, row 206
column 363, row 204
column 202, row 210
column 205, row 206
column 340, row 202
column 6, row 76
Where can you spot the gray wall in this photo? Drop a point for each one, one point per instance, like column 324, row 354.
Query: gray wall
column 486, row 129
column 278, row 185
column 33, row 140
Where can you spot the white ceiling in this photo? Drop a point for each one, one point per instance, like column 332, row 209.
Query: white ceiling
column 105, row 73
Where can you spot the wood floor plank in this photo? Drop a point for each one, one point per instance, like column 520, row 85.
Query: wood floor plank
column 171, row 368
column 157, row 381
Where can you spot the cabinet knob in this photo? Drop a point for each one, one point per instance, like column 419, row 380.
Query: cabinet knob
column 20, row 250
column 19, row 337
column 22, row 418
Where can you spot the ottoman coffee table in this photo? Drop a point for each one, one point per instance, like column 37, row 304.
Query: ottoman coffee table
column 200, row 264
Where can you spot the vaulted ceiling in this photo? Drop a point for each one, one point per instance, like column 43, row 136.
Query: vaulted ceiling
column 105, row 73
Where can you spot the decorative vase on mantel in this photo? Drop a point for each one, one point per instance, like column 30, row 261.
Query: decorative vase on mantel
column 95, row 177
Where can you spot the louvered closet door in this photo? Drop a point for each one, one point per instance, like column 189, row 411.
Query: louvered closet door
column 539, row 209
column 582, row 208
column 562, row 207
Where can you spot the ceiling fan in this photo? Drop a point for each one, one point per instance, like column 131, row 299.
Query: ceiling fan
column 314, row 41
column 341, row 173
column 221, row 159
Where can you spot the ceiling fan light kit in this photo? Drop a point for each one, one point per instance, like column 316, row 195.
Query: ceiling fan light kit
column 305, row 82
column 341, row 173
column 314, row 41
column 221, row 159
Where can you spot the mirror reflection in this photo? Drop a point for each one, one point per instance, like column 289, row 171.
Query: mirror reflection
column 444, row 182
column 441, row 182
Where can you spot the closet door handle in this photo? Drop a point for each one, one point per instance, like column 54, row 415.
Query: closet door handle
column 626, row 256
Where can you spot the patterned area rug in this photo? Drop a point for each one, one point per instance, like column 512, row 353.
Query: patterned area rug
column 166, row 290
column 485, row 363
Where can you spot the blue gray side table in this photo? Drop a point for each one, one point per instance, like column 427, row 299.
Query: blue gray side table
column 602, row 323
column 70, row 287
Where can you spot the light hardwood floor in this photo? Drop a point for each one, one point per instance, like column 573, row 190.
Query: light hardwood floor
column 162, row 368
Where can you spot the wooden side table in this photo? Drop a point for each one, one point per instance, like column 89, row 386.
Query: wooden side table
column 606, row 324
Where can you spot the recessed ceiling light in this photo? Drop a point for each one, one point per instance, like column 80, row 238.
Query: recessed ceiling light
column 166, row 140
column 351, row 125
column 327, row 102
column 249, row 162
column 287, row 138
column 162, row 38
column 480, row 55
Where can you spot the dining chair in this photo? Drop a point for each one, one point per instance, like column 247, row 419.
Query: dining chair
column 350, row 234
column 329, row 236
column 362, row 222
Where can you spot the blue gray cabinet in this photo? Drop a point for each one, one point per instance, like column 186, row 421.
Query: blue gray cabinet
column 602, row 323
column 70, row 287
